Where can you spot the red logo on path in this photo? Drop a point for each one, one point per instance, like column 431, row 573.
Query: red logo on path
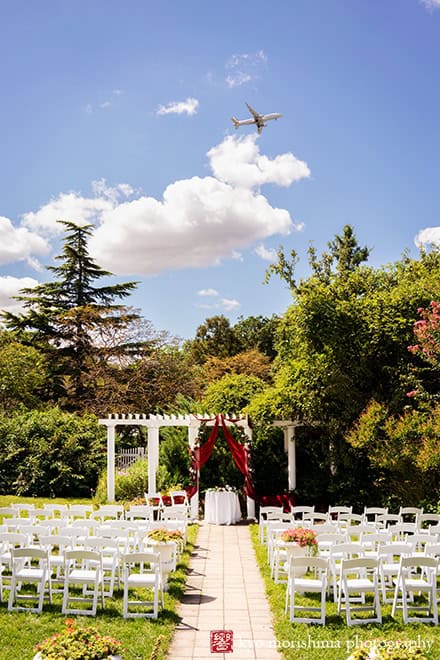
column 221, row 641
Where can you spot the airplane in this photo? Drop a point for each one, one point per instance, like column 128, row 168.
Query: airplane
column 259, row 120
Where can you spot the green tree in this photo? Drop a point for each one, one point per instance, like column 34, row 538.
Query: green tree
column 344, row 342
column 76, row 323
column 213, row 337
column 23, row 374
column 257, row 332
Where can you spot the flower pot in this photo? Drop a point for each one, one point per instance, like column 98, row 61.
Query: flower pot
column 38, row 656
column 167, row 552
column 295, row 550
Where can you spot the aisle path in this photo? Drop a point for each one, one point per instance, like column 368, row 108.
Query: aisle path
column 224, row 592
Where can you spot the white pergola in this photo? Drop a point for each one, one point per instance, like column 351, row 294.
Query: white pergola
column 192, row 422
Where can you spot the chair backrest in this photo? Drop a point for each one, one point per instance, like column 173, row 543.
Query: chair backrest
column 387, row 519
column 148, row 561
column 300, row 511
column 394, row 550
column 80, row 555
column 179, row 497
column 154, row 499
column 358, row 564
column 418, row 561
column 309, row 562
column 29, row 553
column 372, row 512
column 428, row 519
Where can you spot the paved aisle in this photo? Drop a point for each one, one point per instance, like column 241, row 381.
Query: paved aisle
column 224, row 592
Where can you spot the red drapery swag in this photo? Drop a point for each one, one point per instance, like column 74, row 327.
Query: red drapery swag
column 239, row 453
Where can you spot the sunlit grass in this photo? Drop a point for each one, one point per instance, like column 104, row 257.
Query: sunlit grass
column 335, row 640
column 21, row 631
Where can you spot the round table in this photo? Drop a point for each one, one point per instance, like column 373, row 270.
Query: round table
column 222, row 507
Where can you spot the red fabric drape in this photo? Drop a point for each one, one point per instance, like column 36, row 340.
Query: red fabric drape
column 239, row 454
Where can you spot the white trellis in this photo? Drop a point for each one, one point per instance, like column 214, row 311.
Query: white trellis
column 154, row 423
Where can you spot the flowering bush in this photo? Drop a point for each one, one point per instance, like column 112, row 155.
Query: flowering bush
column 165, row 535
column 78, row 643
column 305, row 538
column 397, row 651
column 427, row 334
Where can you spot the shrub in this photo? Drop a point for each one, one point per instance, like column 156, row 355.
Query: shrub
column 50, row 453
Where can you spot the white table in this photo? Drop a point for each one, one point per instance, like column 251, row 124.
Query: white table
column 222, row 507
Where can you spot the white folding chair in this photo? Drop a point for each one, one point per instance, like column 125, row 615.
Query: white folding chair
column 83, row 569
column 108, row 511
column 110, row 558
column 56, row 545
column 389, row 563
column 417, row 575
column 141, row 571
column 79, row 511
column 428, row 520
column 314, row 580
column 410, row 514
column 29, row 566
column 371, row 513
column 335, row 512
column 359, row 577
column 267, row 513
column 139, row 511
column 339, row 552
column 298, row 512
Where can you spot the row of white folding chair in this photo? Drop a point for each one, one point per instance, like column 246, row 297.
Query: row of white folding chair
column 359, row 576
column 84, row 569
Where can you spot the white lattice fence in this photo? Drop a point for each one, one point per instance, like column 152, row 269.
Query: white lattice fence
column 127, row 457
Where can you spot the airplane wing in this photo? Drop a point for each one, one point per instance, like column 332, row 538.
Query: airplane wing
column 253, row 112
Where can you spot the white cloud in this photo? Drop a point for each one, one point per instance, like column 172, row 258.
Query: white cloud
column 265, row 253
column 230, row 304
column 238, row 79
column 207, row 292
column 428, row 236
column 431, row 4
column 243, row 67
column 67, row 206
column 224, row 305
column 107, row 103
column 72, row 206
column 238, row 161
column 197, row 223
column 179, row 107
column 19, row 244
column 11, row 286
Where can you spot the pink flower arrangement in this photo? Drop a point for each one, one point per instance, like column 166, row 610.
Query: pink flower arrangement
column 305, row 538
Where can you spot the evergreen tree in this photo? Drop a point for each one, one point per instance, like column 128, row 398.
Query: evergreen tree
column 75, row 322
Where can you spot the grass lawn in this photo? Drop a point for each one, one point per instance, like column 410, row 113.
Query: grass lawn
column 20, row 631
column 335, row 641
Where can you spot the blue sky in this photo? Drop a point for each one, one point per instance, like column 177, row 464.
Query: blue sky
column 118, row 114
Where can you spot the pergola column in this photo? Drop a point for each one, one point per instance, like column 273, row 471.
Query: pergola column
column 289, row 434
column 153, row 457
column 111, row 463
column 250, row 503
column 193, row 430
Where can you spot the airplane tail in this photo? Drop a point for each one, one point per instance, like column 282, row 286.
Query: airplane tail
column 235, row 122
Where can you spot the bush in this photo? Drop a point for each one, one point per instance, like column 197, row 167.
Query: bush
column 50, row 453
column 131, row 483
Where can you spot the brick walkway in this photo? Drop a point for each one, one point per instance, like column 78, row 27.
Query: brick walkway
column 224, row 591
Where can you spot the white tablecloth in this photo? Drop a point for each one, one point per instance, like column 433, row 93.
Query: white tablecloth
column 222, row 508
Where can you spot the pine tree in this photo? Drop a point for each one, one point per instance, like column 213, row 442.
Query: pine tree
column 75, row 322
